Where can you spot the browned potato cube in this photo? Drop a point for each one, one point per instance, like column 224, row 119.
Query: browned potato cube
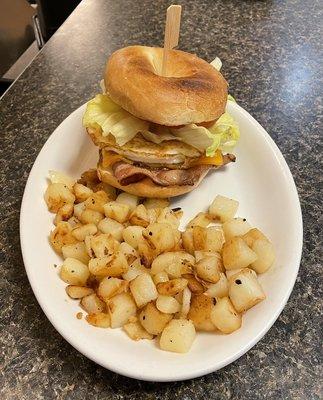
column 61, row 236
column 214, row 239
column 186, row 302
column 188, row 241
column 172, row 287
column 153, row 320
column 77, row 251
column 178, row 262
column 139, row 216
column 77, row 292
column 209, row 268
column 103, row 244
column 135, row 269
column 121, row 308
column 129, row 199
column 266, row 255
column 245, row 290
column 97, row 201
column 235, row 227
column 113, row 265
column 223, row 208
column 253, row 235
column 64, row 213
column 156, row 203
column 89, row 216
column 110, row 287
column 74, row 272
column 178, row 336
column 160, row 277
column 225, row 317
column 143, row 289
column 200, row 312
column 236, row 254
column 201, row 219
column 136, row 332
column 167, row 304
column 168, row 216
column 160, row 237
column 117, row 211
column 193, row 284
column 56, row 195
column 81, row 192
column 100, row 320
column 108, row 225
column 132, row 235
column 92, row 304
column 219, row 289
column 81, row 232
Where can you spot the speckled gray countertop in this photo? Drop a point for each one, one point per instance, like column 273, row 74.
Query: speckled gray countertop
column 272, row 60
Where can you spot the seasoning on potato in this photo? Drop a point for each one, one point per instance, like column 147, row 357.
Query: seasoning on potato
column 129, row 265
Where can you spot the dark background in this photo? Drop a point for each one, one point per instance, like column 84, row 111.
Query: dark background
column 272, row 59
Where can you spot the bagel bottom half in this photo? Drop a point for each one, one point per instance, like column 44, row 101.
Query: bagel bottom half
column 145, row 187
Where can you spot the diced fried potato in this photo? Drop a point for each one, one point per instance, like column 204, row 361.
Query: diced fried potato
column 103, row 244
column 160, row 277
column 100, row 320
column 146, row 253
column 199, row 237
column 74, row 222
column 168, row 216
column 201, row 219
column 193, row 284
column 56, row 195
column 160, row 237
column 223, row 208
column 96, row 201
column 130, row 253
column 108, row 225
column 156, row 203
column 132, row 235
column 129, row 199
column 186, row 302
column 200, row 312
column 136, row 332
column 245, row 290
column 253, row 235
column 121, row 308
column 74, row 272
column 77, row 292
column 266, row 255
column 172, row 287
column 231, row 272
column 110, row 287
column 143, row 289
column 77, row 251
column 85, row 230
column 60, row 177
column 235, row 227
column 153, row 320
column 209, row 268
column 153, row 214
column 219, row 289
column 214, row 239
column 178, row 261
column 188, row 241
column 224, row 316
column 178, row 336
column 78, row 209
column 113, row 265
column 139, row 216
column 91, row 217
column 61, row 236
column 236, row 254
column 117, row 211
column 92, row 304
column 81, row 192
column 167, row 304
column 64, row 213
column 134, row 270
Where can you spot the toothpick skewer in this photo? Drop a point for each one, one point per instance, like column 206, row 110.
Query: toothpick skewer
column 173, row 21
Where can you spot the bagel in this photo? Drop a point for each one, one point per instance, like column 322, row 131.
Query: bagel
column 192, row 92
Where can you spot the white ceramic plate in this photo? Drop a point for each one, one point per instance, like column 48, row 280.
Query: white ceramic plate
column 260, row 180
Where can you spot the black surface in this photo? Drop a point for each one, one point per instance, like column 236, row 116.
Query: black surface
column 272, row 59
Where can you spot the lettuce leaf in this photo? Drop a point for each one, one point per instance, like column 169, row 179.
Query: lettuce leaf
column 196, row 136
column 227, row 130
column 112, row 119
column 231, row 98
column 216, row 63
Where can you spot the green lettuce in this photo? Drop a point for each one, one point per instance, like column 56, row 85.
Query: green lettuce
column 112, row 119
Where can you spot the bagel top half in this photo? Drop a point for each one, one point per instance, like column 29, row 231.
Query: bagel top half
column 192, row 92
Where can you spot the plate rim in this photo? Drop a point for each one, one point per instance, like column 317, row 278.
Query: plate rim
column 208, row 369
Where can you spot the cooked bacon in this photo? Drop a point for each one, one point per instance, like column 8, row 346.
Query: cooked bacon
column 127, row 173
